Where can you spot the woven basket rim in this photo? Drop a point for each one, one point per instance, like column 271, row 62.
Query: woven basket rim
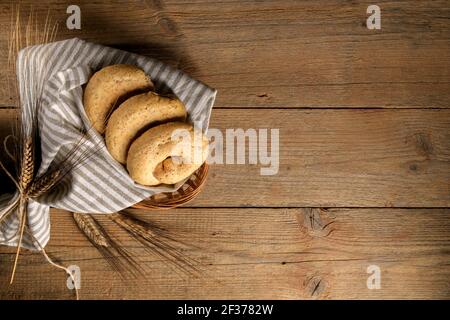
column 186, row 193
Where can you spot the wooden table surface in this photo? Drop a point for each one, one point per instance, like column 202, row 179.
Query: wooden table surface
column 364, row 176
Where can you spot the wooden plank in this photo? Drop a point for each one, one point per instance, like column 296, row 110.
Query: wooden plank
column 289, row 54
column 256, row 254
column 336, row 158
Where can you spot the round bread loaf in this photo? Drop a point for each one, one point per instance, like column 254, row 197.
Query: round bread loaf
column 136, row 114
column 108, row 86
column 167, row 153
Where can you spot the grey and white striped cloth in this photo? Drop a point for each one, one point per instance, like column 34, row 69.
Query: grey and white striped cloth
column 99, row 184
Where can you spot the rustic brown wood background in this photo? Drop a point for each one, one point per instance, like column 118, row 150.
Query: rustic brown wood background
column 364, row 173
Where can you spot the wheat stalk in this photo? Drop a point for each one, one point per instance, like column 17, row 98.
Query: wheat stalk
column 23, row 218
column 91, row 229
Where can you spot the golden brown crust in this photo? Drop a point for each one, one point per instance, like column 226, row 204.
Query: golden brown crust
column 107, row 86
column 148, row 162
column 136, row 114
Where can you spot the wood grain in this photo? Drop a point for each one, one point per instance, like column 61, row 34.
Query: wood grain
column 340, row 158
column 336, row 158
column 289, row 54
column 257, row 254
column 364, row 126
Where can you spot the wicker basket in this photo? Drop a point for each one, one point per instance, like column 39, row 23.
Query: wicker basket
column 187, row 192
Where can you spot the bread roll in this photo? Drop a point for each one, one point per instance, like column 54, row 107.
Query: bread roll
column 108, row 86
column 136, row 114
column 150, row 157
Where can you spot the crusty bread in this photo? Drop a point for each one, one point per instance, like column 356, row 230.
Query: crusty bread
column 149, row 160
column 107, row 86
column 134, row 115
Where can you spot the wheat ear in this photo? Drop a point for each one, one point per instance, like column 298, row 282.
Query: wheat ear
column 131, row 224
column 90, row 228
column 44, row 183
column 27, row 165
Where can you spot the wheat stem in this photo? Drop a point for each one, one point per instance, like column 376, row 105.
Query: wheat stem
column 23, row 218
column 155, row 241
column 107, row 246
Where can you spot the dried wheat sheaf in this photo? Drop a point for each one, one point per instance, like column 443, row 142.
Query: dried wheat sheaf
column 25, row 135
column 150, row 237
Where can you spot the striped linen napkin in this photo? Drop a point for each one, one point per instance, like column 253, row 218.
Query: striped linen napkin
column 99, row 184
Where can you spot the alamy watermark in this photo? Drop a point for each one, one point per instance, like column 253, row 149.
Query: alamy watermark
column 374, row 280
column 234, row 149
column 74, row 280
column 74, row 20
column 231, row 146
column 374, row 20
